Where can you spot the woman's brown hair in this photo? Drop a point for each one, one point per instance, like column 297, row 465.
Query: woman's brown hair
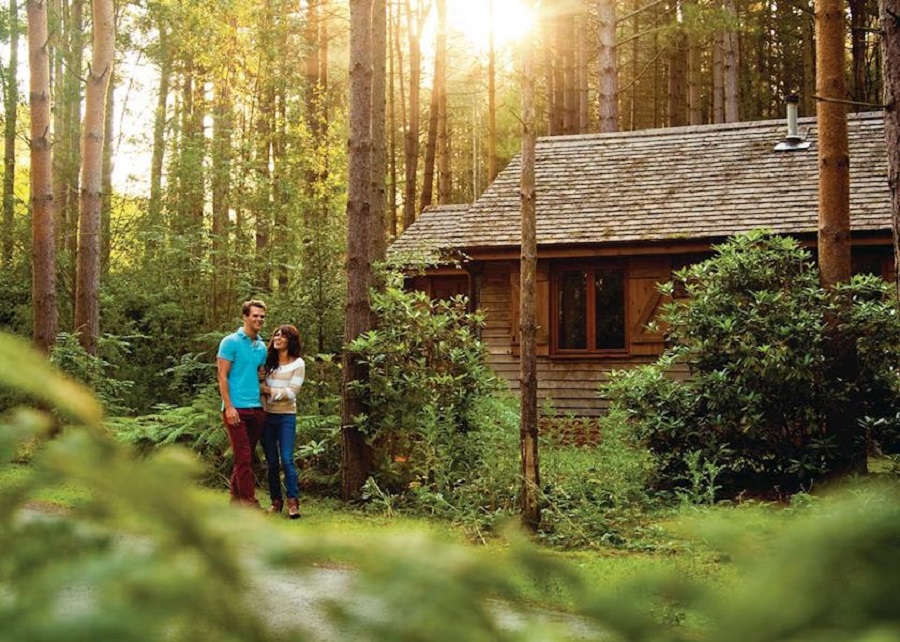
column 293, row 345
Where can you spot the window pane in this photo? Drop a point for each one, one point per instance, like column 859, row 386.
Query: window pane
column 609, row 308
column 573, row 310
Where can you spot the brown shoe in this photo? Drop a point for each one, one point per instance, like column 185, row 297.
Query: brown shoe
column 276, row 507
column 293, row 508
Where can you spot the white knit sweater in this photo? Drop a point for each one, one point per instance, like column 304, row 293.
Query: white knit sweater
column 285, row 382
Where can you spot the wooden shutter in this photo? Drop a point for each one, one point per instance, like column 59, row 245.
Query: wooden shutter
column 644, row 300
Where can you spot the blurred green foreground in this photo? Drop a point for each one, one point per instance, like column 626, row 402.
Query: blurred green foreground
column 143, row 558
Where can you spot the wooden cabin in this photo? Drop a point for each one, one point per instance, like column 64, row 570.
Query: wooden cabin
column 616, row 214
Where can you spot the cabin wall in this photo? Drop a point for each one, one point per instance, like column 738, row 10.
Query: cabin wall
column 565, row 385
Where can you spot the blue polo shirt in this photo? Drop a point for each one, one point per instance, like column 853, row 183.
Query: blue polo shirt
column 246, row 356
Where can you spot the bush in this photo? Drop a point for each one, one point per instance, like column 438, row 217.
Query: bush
column 752, row 334
column 94, row 372
column 595, row 495
column 197, row 426
column 427, row 372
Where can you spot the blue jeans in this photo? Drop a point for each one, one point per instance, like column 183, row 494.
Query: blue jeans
column 278, row 440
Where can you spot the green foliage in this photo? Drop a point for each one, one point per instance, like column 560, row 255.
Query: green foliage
column 95, row 372
column 197, row 426
column 141, row 558
column 752, row 335
column 426, row 373
column 596, row 495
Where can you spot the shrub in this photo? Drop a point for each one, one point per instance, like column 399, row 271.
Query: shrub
column 94, row 371
column 752, row 334
column 427, row 373
column 197, row 426
column 594, row 494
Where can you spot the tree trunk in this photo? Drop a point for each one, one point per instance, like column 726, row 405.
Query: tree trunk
column 443, row 139
column 608, row 69
column 677, row 79
column 492, row 162
column 9, row 135
column 858, row 15
column 531, row 510
column 719, row 77
column 695, row 108
column 106, row 189
column 379, row 152
column 392, row 127
column 356, row 458
column 87, row 286
column 67, row 127
column 264, row 136
column 43, row 250
column 430, row 146
column 890, row 23
column 154, row 206
column 220, row 179
column 411, row 142
column 583, row 51
column 731, row 66
column 557, row 24
column 834, row 226
column 570, row 75
column 808, row 91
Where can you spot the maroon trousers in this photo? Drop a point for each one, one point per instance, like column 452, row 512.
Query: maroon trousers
column 244, row 437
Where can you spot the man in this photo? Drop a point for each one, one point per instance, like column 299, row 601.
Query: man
column 240, row 356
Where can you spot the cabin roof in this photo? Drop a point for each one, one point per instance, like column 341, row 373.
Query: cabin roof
column 701, row 182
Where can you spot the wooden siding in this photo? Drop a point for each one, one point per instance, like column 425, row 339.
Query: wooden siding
column 565, row 385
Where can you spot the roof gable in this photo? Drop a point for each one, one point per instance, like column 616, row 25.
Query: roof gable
column 702, row 182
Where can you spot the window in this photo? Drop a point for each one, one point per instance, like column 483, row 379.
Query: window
column 589, row 309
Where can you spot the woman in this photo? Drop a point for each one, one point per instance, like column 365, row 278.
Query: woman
column 284, row 371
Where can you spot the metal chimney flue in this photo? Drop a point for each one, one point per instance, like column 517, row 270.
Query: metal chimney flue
column 794, row 140
column 792, row 101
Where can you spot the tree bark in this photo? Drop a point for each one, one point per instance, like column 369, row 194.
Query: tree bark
column 379, row 151
column 87, row 286
column 9, row 135
column 570, row 72
column 443, row 138
column 67, row 127
column 154, row 206
column 492, row 162
column 43, row 250
column 719, row 77
column 608, row 68
column 583, row 52
column 531, row 510
column 106, row 188
column 858, row 49
column 731, row 65
column 220, row 179
column 391, row 222
column 677, row 79
column 890, row 23
column 411, row 142
column 834, row 228
column 264, row 137
column 356, row 458
column 695, row 108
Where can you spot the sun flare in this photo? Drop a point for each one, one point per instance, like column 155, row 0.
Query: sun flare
column 472, row 18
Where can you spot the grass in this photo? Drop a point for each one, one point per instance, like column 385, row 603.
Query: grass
column 330, row 518
column 58, row 497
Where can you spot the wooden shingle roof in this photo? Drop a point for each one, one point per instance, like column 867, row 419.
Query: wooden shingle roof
column 703, row 182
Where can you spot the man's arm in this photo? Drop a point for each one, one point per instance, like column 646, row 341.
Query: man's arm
column 231, row 414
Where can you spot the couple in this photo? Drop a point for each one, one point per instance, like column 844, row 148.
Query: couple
column 253, row 407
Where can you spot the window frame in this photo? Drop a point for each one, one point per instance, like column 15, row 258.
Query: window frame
column 556, row 272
